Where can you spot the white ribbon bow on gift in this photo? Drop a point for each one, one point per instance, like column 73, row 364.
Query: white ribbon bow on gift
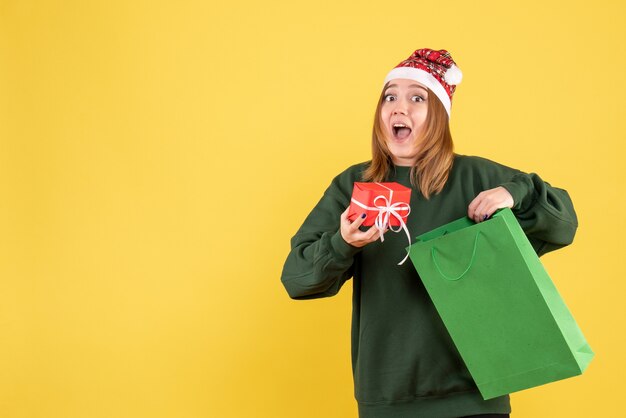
column 385, row 211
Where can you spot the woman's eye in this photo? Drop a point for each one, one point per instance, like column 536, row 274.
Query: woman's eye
column 419, row 98
column 389, row 97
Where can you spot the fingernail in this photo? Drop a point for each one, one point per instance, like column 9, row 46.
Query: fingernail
column 364, row 215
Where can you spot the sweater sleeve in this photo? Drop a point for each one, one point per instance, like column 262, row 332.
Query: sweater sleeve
column 320, row 260
column 545, row 213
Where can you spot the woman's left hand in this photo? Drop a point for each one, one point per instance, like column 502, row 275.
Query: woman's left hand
column 487, row 202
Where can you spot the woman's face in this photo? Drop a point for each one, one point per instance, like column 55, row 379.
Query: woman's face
column 402, row 114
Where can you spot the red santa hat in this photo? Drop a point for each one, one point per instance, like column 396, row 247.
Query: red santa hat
column 434, row 69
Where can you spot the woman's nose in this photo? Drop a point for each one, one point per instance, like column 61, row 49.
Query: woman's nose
column 399, row 110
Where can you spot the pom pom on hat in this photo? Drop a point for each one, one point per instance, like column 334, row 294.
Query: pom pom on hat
column 453, row 75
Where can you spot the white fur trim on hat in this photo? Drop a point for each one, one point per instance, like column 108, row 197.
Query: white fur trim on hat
column 425, row 78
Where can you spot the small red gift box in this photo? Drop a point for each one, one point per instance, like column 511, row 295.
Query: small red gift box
column 380, row 199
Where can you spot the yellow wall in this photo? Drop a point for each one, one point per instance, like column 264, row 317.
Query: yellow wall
column 156, row 157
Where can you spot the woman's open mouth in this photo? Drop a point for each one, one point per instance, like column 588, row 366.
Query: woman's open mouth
column 401, row 131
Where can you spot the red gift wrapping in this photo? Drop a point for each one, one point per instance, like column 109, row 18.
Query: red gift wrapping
column 379, row 198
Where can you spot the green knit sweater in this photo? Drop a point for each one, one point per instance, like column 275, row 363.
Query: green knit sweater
column 404, row 362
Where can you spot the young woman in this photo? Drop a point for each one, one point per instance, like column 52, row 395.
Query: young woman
column 404, row 362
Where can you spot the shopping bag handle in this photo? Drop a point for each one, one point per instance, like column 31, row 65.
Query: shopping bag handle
column 471, row 263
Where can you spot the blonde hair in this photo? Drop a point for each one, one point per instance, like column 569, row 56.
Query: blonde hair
column 436, row 155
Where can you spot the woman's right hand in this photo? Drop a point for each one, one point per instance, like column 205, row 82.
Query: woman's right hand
column 353, row 235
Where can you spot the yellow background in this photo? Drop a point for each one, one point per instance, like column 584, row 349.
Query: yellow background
column 156, row 157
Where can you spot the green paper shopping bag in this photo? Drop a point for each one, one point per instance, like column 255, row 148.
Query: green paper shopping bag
column 499, row 305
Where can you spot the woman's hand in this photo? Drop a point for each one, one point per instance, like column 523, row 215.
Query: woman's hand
column 487, row 202
column 353, row 235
